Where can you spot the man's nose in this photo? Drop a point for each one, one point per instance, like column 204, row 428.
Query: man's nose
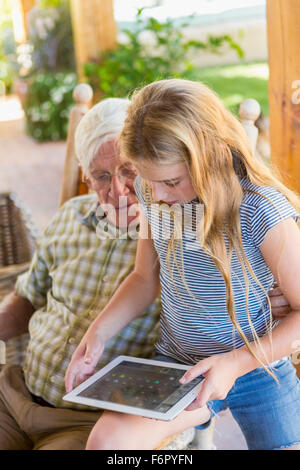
column 158, row 193
column 117, row 188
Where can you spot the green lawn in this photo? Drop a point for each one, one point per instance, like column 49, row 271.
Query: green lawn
column 235, row 83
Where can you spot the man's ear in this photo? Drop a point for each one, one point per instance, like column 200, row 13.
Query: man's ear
column 84, row 179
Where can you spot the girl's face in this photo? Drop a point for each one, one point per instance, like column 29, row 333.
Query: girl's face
column 169, row 183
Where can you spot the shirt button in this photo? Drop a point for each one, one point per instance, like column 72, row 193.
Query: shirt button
column 53, row 379
column 71, row 340
column 105, row 278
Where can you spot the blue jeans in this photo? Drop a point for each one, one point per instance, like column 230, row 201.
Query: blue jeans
column 268, row 414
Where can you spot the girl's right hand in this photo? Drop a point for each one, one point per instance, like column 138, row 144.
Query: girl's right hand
column 84, row 359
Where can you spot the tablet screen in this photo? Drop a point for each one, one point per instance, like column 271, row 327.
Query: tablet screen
column 155, row 388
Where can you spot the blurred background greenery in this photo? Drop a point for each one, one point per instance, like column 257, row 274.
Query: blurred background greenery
column 235, row 83
column 45, row 64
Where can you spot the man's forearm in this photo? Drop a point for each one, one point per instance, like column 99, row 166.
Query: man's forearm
column 15, row 312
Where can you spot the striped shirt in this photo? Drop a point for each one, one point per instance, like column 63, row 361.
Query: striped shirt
column 195, row 323
column 79, row 263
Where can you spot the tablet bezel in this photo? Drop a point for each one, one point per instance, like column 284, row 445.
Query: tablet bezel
column 167, row 416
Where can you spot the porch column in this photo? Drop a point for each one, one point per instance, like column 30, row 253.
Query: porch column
column 94, row 30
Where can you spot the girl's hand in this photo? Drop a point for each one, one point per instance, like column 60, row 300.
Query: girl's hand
column 84, row 359
column 220, row 372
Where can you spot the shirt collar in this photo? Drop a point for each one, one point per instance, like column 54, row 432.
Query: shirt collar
column 89, row 218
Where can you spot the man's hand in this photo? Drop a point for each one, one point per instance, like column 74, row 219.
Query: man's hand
column 15, row 313
column 279, row 304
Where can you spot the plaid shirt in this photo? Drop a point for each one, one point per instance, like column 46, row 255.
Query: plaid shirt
column 75, row 270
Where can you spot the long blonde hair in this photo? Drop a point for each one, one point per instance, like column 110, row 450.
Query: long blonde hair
column 175, row 120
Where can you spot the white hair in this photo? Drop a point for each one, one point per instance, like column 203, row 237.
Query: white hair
column 102, row 123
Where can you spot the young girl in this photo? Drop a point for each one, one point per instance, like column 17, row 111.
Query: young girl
column 214, row 267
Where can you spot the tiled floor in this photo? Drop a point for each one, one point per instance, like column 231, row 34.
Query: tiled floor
column 228, row 435
column 34, row 172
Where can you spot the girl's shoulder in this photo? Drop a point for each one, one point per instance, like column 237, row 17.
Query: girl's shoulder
column 262, row 208
column 256, row 196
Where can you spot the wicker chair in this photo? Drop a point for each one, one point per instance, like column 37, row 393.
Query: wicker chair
column 18, row 236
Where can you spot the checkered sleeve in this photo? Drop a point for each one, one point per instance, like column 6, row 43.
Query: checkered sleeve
column 35, row 283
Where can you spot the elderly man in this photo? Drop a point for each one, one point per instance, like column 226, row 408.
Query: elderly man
column 81, row 259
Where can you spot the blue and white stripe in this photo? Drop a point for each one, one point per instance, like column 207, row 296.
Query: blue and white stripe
column 194, row 320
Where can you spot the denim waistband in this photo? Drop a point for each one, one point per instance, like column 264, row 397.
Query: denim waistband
column 275, row 363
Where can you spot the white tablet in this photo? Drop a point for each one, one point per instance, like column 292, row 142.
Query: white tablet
column 137, row 386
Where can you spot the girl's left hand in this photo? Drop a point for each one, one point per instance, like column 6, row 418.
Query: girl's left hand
column 220, row 372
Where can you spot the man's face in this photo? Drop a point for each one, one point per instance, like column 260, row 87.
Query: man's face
column 113, row 183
